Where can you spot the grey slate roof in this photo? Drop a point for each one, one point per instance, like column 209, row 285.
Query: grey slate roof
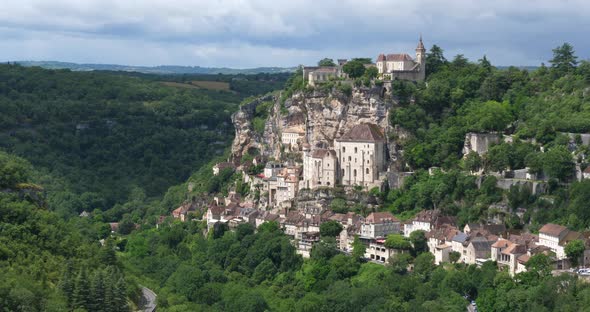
column 461, row 237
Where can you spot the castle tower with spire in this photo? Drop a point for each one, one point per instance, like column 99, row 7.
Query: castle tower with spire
column 421, row 59
column 402, row 66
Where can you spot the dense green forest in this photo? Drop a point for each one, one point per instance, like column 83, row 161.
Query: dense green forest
column 107, row 139
column 48, row 263
column 115, row 143
column 246, row 271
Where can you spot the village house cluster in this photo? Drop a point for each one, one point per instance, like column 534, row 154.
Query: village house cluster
column 473, row 243
column 357, row 159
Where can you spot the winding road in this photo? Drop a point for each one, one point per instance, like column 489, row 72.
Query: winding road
column 148, row 300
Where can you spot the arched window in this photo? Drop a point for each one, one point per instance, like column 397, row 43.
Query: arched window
column 328, row 183
column 354, row 173
column 355, row 150
column 343, row 172
column 367, row 170
column 349, row 158
column 343, row 149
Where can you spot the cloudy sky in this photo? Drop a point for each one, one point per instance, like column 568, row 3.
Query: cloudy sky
column 252, row 33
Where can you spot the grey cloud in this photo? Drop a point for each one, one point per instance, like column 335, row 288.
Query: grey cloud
column 284, row 33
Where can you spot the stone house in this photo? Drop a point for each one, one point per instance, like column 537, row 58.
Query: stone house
column 506, row 252
column 377, row 251
column 283, row 186
column 293, row 136
column 427, row 220
column 319, row 74
column 291, row 223
column 493, row 229
column 439, row 242
column 182, row 212
column 351, row 224
column 458, row 243
column 477, row 248
column 265, row 216
column 319, row 168
column 272, row 169
column 308, row 225
column 379, row 224
column 556, row 237
column 217, row 168
column 305, row 244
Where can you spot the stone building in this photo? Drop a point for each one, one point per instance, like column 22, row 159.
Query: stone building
column 402, row 66
column 319, row 74
column 358, row 158
column 379, row 224
column 319, row 168
column 292, row 136
column 361, row 156
column 556, row 237
column 284, row 186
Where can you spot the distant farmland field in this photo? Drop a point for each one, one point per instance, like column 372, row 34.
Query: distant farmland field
column 212, row 85
column 200, row 84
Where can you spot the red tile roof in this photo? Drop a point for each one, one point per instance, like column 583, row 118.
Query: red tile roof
column 380, row 217
column 553, row 229
column 427, row 216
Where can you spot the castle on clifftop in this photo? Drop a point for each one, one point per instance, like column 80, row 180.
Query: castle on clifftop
column 390, row 67
column 402, row 66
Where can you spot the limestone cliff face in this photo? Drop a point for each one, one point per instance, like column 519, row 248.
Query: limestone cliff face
column 246, row 138
column 325, row 116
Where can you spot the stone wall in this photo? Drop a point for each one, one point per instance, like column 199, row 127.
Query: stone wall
column 584, row 136
column 396, row 179
column 479, row 142
column 536, row 187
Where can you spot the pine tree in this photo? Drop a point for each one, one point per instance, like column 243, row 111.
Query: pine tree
column 120, row 296
column 107, row 253
column 97, row 298
column 564, row 60
column 81, row 294
column 108, row 302
column 66, row 283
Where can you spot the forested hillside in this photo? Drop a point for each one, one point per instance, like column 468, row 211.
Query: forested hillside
column 535, row 108
column 47, row 263
column 105, row 139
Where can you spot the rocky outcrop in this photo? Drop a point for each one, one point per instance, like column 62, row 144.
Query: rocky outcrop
column 325, row 116
column 246, row 138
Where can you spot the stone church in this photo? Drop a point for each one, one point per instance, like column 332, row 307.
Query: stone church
column 358, row 158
